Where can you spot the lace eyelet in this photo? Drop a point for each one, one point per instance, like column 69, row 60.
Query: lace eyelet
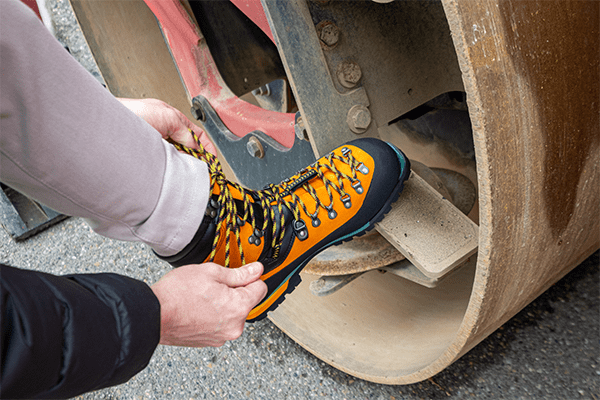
column 363, row 169
column 346, row 200
column 358, row 187
column 300, row 229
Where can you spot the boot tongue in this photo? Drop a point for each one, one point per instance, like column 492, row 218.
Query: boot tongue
column 258, row 212
column 298, row 180
column 286, row 188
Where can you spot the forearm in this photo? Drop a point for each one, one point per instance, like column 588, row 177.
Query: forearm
column 62, row 336
column 68, row 143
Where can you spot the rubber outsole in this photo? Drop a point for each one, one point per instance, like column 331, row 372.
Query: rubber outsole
column 294, row 279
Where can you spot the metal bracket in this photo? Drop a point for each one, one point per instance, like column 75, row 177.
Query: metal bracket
column 354, row 75
column 273, row 96
column 23, row 217
column 327, row 285
column 277, row 162
column 323, row 108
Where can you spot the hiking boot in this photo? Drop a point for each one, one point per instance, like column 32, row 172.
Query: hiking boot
column 283, row 226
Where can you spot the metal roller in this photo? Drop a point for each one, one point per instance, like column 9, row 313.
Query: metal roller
column 526, row 135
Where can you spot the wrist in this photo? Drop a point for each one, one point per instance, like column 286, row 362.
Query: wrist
column 165, row 318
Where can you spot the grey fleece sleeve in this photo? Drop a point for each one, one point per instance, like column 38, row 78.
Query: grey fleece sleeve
column 68, row 143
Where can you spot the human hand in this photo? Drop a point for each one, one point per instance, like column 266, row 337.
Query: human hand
column 207, row 304
column 169, row 121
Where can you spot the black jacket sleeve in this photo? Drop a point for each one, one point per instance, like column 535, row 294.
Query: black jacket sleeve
column 66, row 335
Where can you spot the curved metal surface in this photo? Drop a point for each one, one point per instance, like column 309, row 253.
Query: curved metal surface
column 530, row 71
column 533, row 84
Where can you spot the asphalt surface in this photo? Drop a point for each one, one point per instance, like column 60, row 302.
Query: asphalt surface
column 550, row 350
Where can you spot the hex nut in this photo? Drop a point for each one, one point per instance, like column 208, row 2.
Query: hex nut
column 255, row 147
column 358, row 118
column 197, row 111
column 300, row 129
column 329, row 34
column 349, row 74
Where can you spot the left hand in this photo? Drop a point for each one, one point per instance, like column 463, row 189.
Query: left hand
column 169, row 121
column 207, row 304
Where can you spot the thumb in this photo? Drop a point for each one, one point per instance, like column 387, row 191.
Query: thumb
column 253, row 293
column 243, row 276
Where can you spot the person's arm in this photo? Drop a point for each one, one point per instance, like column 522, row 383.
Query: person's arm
column 62, row 336
column 171, row 123
column 67, row 335
column 69, row 144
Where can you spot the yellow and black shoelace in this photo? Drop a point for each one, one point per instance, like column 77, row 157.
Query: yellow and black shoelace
column 273, row 195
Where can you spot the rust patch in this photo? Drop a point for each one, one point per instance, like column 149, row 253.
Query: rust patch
column 556, row 46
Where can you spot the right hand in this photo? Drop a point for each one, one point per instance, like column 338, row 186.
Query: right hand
column 207, row 304
column 169, row 122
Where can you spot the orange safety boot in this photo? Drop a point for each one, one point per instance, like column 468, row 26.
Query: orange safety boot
column 283, row 226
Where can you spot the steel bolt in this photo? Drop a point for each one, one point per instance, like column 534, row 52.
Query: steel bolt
column 358, row 118
column 262, row 91
column 300, row 129
column 330, row 33
column 255, row 148
column 197, row 110
column 349, row 73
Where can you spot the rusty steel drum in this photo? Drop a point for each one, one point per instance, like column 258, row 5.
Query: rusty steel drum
column 530, row 70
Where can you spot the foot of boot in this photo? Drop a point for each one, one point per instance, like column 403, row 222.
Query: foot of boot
column 340, row 196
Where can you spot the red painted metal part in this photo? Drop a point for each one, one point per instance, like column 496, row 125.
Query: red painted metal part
column 201, row 77
column 33, row 5
column 254, row 10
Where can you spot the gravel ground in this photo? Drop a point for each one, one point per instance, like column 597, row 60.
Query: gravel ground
column 549, row 350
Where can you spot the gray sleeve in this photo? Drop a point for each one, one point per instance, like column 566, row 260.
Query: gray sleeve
column 68, row 143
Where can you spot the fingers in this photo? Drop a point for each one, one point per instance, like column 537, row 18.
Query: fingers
column 253, row 293
column 182, row 134
column 246, row 282
column 207, row 304
column 181, row 128
column 245, row 275
column 206, row 142
column 251, row 290
column 169, row 122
